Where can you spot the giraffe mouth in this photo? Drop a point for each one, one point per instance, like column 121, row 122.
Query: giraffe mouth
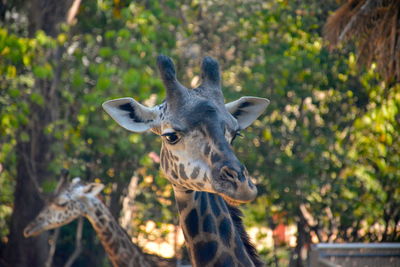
column 235, row 193
column 229, row 180
column 232, row 202
column 31, row 231
column 234, row 186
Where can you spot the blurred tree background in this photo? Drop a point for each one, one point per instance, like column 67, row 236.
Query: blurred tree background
column 326, row 154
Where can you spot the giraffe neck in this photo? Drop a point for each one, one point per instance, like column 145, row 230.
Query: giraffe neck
column 214, row 232
column 118, row 245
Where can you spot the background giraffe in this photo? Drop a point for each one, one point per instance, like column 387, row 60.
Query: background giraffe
column 75, row 199
column 197, row 130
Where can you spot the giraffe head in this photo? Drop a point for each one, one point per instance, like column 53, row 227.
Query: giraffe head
column 68, row 202
column 197, row 130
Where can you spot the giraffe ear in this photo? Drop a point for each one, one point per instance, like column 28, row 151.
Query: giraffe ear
column 247, row 109
column 131, row 115
column 92, row 189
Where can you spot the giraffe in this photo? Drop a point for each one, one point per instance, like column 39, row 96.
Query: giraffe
column 76, row 199
column 197, row 131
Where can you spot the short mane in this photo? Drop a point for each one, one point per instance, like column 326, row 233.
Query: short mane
column 236, row 215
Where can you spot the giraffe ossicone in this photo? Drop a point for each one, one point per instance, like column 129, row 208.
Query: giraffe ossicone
column 74, row 199
column 197, row 130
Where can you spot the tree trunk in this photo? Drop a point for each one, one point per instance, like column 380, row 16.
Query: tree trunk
column 303, row 241
column 21, row 251
column 33, row 159
column 35, row 155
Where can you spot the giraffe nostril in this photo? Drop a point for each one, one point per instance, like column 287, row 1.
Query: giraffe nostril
column 228, row 174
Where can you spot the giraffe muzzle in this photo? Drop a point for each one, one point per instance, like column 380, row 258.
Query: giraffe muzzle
column 234, row 186
column 31, row 230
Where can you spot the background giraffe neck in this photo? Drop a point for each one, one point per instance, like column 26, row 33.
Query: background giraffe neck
column 118, row 245
column 214, row 231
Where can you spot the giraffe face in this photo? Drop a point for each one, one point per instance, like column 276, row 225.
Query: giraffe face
column 64, row 207
column 196, row 153
column 197, row 130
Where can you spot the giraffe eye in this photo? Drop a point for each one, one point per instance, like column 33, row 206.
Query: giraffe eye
column 237, row 133
column 171, row 138
column 62, row 204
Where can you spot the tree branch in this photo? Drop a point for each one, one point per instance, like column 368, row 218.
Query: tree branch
column 78, row 244
column 53, row 244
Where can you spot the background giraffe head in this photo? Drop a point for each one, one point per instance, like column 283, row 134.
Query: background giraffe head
column 197, row 129
column 68, row 202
